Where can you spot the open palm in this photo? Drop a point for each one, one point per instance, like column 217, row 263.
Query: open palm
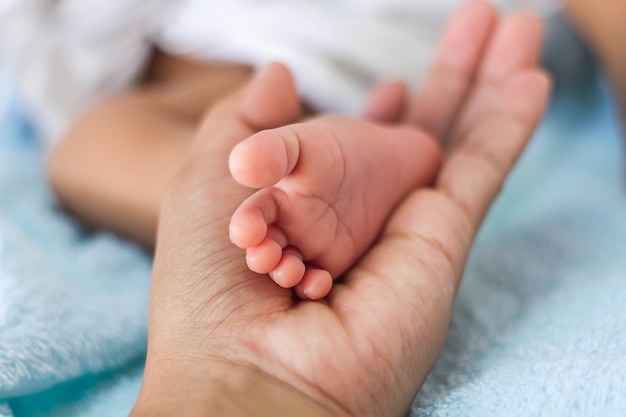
column 366, row 349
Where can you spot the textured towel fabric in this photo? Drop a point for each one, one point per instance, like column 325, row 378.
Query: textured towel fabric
column 539, row 327
column 73, row 304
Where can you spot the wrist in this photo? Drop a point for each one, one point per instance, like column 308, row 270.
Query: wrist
column 229, row 391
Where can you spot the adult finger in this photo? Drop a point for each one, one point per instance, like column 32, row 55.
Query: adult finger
column 269, row 100
column 429, row 236
column 459, row 54
column 386, row 102
column 475, row 171
column 515, row 46
column 413, row 273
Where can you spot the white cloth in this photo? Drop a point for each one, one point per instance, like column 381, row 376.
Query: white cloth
column 67, row 54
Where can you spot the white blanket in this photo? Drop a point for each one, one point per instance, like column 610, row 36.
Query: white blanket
column 67, row 54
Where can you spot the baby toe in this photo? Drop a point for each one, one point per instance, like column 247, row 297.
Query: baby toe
column 315, row 284
column 290, row 270
column 264, row 257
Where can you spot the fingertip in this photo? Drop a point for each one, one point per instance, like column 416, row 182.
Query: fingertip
column 466, row 36
column 386, row 102
column 528, row 24
column 529, row 90
column 479, row 7
column 526, row 19
column 471, row 13
column 516, row 45
column 271, row 99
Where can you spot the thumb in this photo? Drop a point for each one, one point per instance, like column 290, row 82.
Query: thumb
column 271, row 99
column 267, row 101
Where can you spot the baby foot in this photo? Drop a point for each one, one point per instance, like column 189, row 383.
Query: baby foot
column 326, row 189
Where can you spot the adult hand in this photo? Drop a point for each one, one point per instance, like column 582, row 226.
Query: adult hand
column 225, row 341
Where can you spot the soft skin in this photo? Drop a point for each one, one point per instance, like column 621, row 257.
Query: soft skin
column 223, row 342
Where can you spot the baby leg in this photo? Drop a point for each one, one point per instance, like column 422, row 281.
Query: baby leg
column 326, row 189
column 112, row 167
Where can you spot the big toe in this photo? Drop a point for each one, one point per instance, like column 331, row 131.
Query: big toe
column 259, row 161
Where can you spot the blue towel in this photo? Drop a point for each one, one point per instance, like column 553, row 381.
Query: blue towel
column 73, row 303
column 539, row 326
